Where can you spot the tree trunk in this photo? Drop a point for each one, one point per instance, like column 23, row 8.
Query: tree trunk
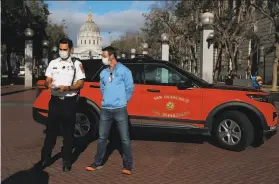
column 217, row 64
column 195, row 58
column 10, row 74
column 232, row 64
column 233, row 60
column 275, row 68
column 230, row 52
column 220, row 64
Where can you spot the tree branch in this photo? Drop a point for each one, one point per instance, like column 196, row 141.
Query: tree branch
column 264, row 13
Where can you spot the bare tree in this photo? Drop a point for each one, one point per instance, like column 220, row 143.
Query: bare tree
column 125, row 43
column 270, row 9
column 232, row 26
column 173, row 18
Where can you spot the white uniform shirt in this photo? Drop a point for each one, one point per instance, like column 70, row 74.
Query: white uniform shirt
column 62, row 73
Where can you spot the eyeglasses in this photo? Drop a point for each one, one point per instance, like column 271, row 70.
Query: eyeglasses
column 110, row 77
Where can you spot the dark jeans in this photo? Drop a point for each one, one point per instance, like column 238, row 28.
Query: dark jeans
column 62, row 114
column 107, row 117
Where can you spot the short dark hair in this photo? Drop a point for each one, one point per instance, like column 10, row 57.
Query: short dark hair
column 66, row 41
column 111, row 50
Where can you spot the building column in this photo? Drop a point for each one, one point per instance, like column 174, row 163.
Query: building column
column 206, row 56
column 207, row 44
column 28, row 63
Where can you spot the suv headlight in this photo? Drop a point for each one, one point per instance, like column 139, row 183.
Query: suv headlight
column 260, row 98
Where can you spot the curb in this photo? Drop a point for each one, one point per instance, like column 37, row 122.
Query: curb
column 18, row 91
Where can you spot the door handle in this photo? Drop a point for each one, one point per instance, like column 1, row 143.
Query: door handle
column 94, row 86
column 153, row 90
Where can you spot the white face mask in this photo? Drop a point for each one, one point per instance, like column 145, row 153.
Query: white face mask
column 64, row 54
column 105, row 61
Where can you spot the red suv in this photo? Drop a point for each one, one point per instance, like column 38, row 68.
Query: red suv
column 169, row 98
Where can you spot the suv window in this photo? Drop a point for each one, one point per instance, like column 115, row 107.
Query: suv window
column 136, row 69
column 96, row 77
column 158, row 74
column 199, row 81
column 137, row 72
column 91, row 67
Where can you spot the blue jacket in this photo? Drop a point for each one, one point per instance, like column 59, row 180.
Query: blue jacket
column 255, row 84
column 119, row 91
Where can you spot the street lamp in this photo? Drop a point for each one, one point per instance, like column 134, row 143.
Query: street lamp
column 28, row 79
column 133, row 53
column 165, row 46
column 29, row 32
column 45, row 54
column 207, row 18
column 45, row 43
column 54, row 52
column 164, row 37
column 145, row 47
column 207, row 50
column 54, row 49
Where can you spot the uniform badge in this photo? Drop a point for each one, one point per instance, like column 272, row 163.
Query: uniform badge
column 81, row 67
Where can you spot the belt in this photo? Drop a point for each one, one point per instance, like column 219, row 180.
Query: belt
column 63, row 97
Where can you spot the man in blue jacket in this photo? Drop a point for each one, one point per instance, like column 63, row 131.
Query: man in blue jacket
column 117, row 87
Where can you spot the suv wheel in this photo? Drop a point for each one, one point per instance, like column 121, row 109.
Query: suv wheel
column 86, row 124
column 233, row 131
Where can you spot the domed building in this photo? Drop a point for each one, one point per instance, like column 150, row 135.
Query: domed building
column 88, row 40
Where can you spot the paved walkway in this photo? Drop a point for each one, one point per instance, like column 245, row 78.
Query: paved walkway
column 12, row 89
column 158, row 158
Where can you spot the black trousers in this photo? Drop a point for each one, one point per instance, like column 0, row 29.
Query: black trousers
column 62, row 115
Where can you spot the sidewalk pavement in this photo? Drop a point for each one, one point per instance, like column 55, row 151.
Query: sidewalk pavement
column 267, row 88
column 11, row 89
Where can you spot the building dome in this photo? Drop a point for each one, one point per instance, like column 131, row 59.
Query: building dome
column 89, row 26
column 88, row 39
column 89, row 31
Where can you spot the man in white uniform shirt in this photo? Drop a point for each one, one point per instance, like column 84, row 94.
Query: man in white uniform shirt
column 64, row 77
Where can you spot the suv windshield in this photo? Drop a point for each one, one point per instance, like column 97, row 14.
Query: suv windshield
column 195, row 79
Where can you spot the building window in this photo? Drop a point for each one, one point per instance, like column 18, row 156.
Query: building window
column 80, row 41
column 89, row 41
column 94, row 42
column 84, row 41
column 97, row 42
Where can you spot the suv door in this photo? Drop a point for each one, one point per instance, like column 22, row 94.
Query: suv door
column 135, row 104
column 163, row 101
column 91, row 88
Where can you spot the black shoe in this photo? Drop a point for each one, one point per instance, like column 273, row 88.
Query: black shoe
column 45, row 159
column 46, row 162
column 67, row 168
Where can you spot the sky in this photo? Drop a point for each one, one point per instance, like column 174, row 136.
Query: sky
column 116, row 17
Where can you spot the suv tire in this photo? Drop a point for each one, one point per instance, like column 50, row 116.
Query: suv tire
column 233, row 131
column 87, row 122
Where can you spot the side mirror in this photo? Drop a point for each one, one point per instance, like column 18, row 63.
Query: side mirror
column 182, row 85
